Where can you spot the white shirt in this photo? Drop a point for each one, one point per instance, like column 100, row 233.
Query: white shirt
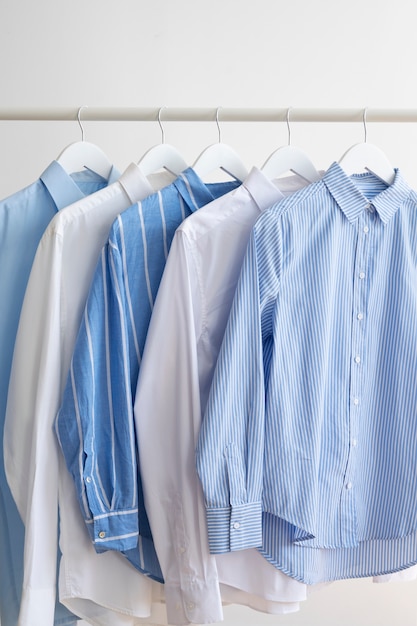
column 188, row 322
column 104, row 589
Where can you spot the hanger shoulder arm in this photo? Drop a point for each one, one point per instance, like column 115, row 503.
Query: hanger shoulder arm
column 367, row 156
column 162, row 156
column 290, row 158
column 83, row 154
column 220, row 155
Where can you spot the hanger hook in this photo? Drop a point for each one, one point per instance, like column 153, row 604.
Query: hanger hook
column 84, row 106
column 288, row 125
column 218, row 124
column 160, row 124
column 365, row 129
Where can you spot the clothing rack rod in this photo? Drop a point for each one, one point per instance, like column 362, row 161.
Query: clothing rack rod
column 206, row 114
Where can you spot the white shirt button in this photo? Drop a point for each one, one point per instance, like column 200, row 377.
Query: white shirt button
column 182, row 549
column 355, row 401
column 88, row 479
column 236, row 525
column 366, row 229
column 354, row 443
column 349, row 485
column 102, row 534
column 190, row 605
column 357, row 359
column 360, row 316
column 361, row 275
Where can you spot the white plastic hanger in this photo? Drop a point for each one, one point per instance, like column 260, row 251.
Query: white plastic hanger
column 83, row 154
column 366, row 156
column 290, row 159
column 220, row 156
column 162, row 156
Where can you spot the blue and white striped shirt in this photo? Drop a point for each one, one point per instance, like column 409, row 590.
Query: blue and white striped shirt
column 308, row 445
column 95, row 423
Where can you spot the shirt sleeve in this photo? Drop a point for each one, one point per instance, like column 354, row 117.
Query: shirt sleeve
column 31, row 452
column 95, row 422
column 167, row 418
column 230, row 453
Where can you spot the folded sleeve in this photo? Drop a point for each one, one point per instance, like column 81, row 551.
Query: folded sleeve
column 167, row 418
column 31, row 453
column 230, row 452
column 95, row 422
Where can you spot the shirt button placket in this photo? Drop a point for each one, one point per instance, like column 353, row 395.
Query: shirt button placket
column 359, row 300
column 356, row 367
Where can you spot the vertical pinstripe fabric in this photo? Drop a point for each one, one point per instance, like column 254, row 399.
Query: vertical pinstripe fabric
column 95, row 423
column 310, row 433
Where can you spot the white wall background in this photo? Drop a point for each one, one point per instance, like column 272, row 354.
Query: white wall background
column 266, row 53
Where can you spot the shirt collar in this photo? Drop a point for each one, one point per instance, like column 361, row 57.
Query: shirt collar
column 389, row 201
column 353, row 202
column 195, row 192
column 261, row 189
column 135, row 184
column 62, row 188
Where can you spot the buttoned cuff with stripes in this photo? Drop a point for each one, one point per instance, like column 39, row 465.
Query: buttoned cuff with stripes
column 234, row 528
column 117, row 530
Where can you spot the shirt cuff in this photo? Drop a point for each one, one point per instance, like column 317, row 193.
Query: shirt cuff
column 37, row 607
column 200, row 603
column 234, row 528
column 117, row 530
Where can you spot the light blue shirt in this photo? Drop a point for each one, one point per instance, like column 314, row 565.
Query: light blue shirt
column 307, row 449
column 23, row 219
column 95, row 424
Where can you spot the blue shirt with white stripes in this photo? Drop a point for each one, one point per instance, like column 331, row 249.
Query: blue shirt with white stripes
column 95, row 423
column 23, row 218
column 308, row 445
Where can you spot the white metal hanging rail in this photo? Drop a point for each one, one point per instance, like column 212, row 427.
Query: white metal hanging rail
column 206, row 114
